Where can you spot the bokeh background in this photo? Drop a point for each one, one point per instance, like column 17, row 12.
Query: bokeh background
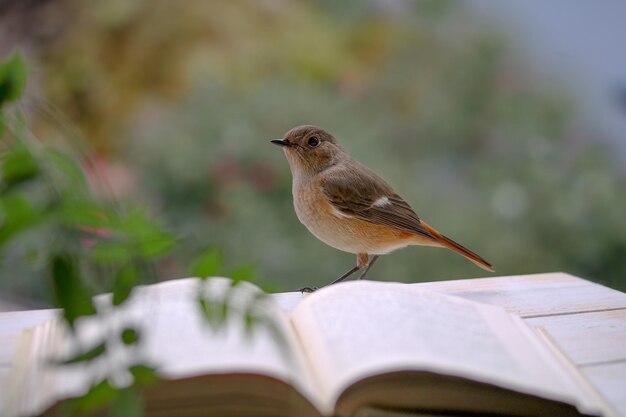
column 502, row 123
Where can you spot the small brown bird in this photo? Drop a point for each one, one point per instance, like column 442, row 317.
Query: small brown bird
column 347, row 206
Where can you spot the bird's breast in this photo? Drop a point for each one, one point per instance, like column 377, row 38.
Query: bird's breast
column 341, row 231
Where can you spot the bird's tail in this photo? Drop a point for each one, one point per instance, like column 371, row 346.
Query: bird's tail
column 452, row 245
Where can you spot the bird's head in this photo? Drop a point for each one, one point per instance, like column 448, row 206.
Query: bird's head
column 310, row 149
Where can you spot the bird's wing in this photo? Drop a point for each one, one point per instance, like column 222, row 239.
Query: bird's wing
column 359, row 193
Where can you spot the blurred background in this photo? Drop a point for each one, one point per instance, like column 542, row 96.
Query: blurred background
column 502, row 123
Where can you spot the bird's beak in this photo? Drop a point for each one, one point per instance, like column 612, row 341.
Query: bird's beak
column 280, row 142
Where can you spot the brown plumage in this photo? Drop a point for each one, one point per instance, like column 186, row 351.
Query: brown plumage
column 349, row 207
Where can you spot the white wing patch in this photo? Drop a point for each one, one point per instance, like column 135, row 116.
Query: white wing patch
column 382, row 202
column 338, row 213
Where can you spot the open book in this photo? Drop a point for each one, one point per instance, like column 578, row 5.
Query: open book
column 352, row 349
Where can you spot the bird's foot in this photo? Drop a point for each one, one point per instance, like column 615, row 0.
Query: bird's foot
column 308, row 289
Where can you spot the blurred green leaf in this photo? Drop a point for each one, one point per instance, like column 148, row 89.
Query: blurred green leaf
column 215, row 312
column 151, row 239
column 69, row 292
column 224, row 308
column 18, row 165
column 12, row 79
column 72, row 175
column 208, row 264
column 144, row 375
column 127, row 403
column 107, row 252
column 243, row 273
column 134, row 235
column 250, row 321
column 127, row 277
column 267, row 287
column 16, row 215
column 2, row 124
column 129, row 336
column 85, row 213
column 156, row 246
column 207, row 309
column 90, row 354
column 97, row 397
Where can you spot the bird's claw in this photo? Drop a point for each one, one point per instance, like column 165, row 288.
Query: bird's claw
column 308, row 289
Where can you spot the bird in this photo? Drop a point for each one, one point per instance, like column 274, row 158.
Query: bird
column 349, row 207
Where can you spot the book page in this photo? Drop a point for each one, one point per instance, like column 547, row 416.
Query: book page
column 288, row 301
column 177, row 340
column 358, row 329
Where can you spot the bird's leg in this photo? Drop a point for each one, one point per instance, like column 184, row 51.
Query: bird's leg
column 341, row 278
column 361, row 261
column 346, row 275
column 369, row 265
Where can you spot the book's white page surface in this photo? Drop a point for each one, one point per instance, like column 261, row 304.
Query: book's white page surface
column 359, row 329
column 179, row 342
column 288, row 301
column 183, row 344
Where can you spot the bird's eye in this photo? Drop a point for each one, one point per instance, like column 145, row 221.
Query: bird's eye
column 313, row 141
